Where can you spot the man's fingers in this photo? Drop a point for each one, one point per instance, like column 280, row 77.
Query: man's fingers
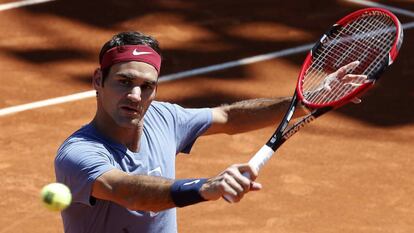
column 246, row 168
column 233, row 182
column 347, row 68
column 354, row 77
column 241, row 175
column 355, row 80
column 356, row 100
column 255, row 186
column 238, row 182
column 232, row 191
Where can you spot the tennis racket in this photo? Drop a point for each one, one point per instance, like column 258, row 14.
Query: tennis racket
column 343, row 64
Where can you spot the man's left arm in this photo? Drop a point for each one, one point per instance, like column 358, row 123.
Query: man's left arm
column 250, row 114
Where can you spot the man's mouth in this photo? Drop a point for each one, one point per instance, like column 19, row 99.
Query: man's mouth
column 130, row 109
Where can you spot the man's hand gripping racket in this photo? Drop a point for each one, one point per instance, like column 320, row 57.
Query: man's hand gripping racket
column 342, row 65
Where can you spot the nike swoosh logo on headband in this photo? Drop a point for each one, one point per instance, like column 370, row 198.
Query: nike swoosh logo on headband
column 137, row 53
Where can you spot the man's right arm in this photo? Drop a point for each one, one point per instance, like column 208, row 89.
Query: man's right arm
column 152, row 193
column 136, row 192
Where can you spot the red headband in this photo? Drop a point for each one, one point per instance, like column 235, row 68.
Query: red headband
column 123, row 53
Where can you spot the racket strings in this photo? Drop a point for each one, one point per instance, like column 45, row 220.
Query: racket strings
column 373, row 54
column 344, row 54
column 340, row 54
column 347, row 52
column 367, row 39
column 330, row 46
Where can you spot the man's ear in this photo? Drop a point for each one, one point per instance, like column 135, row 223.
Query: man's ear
column 97, row 79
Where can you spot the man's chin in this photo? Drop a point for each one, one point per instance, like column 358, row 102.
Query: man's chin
column 130, row 123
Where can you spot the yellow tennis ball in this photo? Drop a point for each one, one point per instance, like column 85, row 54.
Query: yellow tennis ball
column 56, row 196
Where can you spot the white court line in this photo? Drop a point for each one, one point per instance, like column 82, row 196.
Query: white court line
column 48, row 102
column 390, row 8
column 408, row 25
column 244, row 61
column 12, row 5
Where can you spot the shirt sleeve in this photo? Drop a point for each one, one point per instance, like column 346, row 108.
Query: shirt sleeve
column 190, row 124
column 78, row 165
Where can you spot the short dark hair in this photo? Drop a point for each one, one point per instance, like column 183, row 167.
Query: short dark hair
column 127, row 38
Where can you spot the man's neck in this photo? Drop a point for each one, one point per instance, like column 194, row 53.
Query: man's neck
column 129, row 137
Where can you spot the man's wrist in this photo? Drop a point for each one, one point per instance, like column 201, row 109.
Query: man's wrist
column 187, row 192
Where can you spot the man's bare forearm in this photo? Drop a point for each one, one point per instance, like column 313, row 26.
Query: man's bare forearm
column 251, row 114
column 136, row 192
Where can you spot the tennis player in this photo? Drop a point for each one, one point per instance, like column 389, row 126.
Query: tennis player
column 120, row 167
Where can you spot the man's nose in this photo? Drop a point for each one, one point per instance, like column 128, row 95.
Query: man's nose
column 135, row 94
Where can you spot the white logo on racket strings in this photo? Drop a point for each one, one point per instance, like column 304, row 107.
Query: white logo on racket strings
column 297, row 127
column 191, row 182
column 137, row 53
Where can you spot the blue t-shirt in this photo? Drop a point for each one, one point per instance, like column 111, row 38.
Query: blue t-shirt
column 87, row 154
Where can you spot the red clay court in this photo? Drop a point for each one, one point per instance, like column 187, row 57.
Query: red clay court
column 349, row 172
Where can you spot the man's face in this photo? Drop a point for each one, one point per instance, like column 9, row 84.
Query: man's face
column 127, row 93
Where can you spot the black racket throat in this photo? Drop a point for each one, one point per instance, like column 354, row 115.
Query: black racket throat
column 283, row 132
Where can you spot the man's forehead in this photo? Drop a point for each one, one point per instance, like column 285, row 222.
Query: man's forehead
column 135, row 69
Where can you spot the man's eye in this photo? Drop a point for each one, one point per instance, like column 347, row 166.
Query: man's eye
column 146, row 86
column 125, row 82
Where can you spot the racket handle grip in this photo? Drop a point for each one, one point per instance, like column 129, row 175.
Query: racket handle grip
column 257, row 161
column 261, row 157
